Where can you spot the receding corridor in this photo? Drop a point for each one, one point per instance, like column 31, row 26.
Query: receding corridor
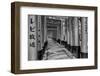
column 58, row 37
column 56, row 51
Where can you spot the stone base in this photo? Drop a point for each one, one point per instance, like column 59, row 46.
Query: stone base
column 84, row 55
column 76, row 51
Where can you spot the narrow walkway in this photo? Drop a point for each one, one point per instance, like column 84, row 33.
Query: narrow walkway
column 55, row 51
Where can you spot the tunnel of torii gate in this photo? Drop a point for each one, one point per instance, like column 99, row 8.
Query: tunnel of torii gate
column 70, row 31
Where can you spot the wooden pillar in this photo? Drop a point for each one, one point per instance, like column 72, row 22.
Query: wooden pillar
column 32, row 41
column 70, row 34
column 39, row 32
column 66, row 33
column 61, row 29
column 76, row 47
column 42, row 30
column 84, row 46
column 76, row 32
column 66, row 29
column 45, row 29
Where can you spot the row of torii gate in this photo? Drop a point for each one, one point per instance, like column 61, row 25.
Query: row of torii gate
column 73, row 30
column 76, row 35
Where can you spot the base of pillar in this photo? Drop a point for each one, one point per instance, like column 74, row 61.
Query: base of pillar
column 68, row 47
column 84, row 55
column 76, row 51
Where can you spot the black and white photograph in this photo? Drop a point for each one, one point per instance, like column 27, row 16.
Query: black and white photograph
column 52, row 37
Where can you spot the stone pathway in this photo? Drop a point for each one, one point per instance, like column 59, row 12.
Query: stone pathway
column 55, row 51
